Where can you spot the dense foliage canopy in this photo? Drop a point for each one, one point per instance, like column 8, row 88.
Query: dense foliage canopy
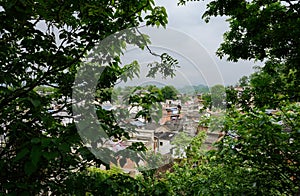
column 266, row 30
column 169, row 92
column 42, row 44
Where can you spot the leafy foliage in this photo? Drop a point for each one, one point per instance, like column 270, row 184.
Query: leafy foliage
column 166, row 67
column 95, row 181
column 257, row 141
column 264, row 30
column 148, row 98
column 169, row 92
column 218, row 95
column 258, row 29
column 215, row 98
column 181, row 142
column 42, row 153
column 190, row 90
column 258, row 154
column 42, row 45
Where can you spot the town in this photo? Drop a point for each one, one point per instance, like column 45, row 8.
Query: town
column 178, row 118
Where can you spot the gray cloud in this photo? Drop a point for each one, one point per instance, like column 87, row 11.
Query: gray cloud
column 187, row 19
column 196, row 64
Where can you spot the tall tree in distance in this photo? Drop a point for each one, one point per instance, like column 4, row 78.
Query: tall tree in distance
column 243, row 81
column 169, row 92
column 218, row 95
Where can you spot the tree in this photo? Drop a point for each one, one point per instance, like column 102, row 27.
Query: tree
column 258, row 155
column 256, row 28
column 181, row 142
column 274, row 84
column 169, row 92
column 42, row 45
column 267, row 145
column 218, row 95
column 206, row 101
column 263, row 30
column 243, row 81
column 148, row 98
column 94, row 181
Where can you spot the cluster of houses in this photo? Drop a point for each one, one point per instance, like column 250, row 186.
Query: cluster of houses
column 158, row 136
column 176, row 117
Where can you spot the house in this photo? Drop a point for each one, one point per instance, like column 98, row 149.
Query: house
column 171, row 114
column 162, row 142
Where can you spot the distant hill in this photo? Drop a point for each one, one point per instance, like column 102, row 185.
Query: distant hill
column 194, row 89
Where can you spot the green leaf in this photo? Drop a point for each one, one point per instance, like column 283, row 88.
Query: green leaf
column 35, row 154
column 64, row 147
column 35, row 102
column 35, row 140
column 21, row 154
column 50, row 155
column 29, row 168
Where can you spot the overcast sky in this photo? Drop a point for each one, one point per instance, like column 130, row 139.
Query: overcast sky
column 187, row 20
column 194, row 43
column 185, row 24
